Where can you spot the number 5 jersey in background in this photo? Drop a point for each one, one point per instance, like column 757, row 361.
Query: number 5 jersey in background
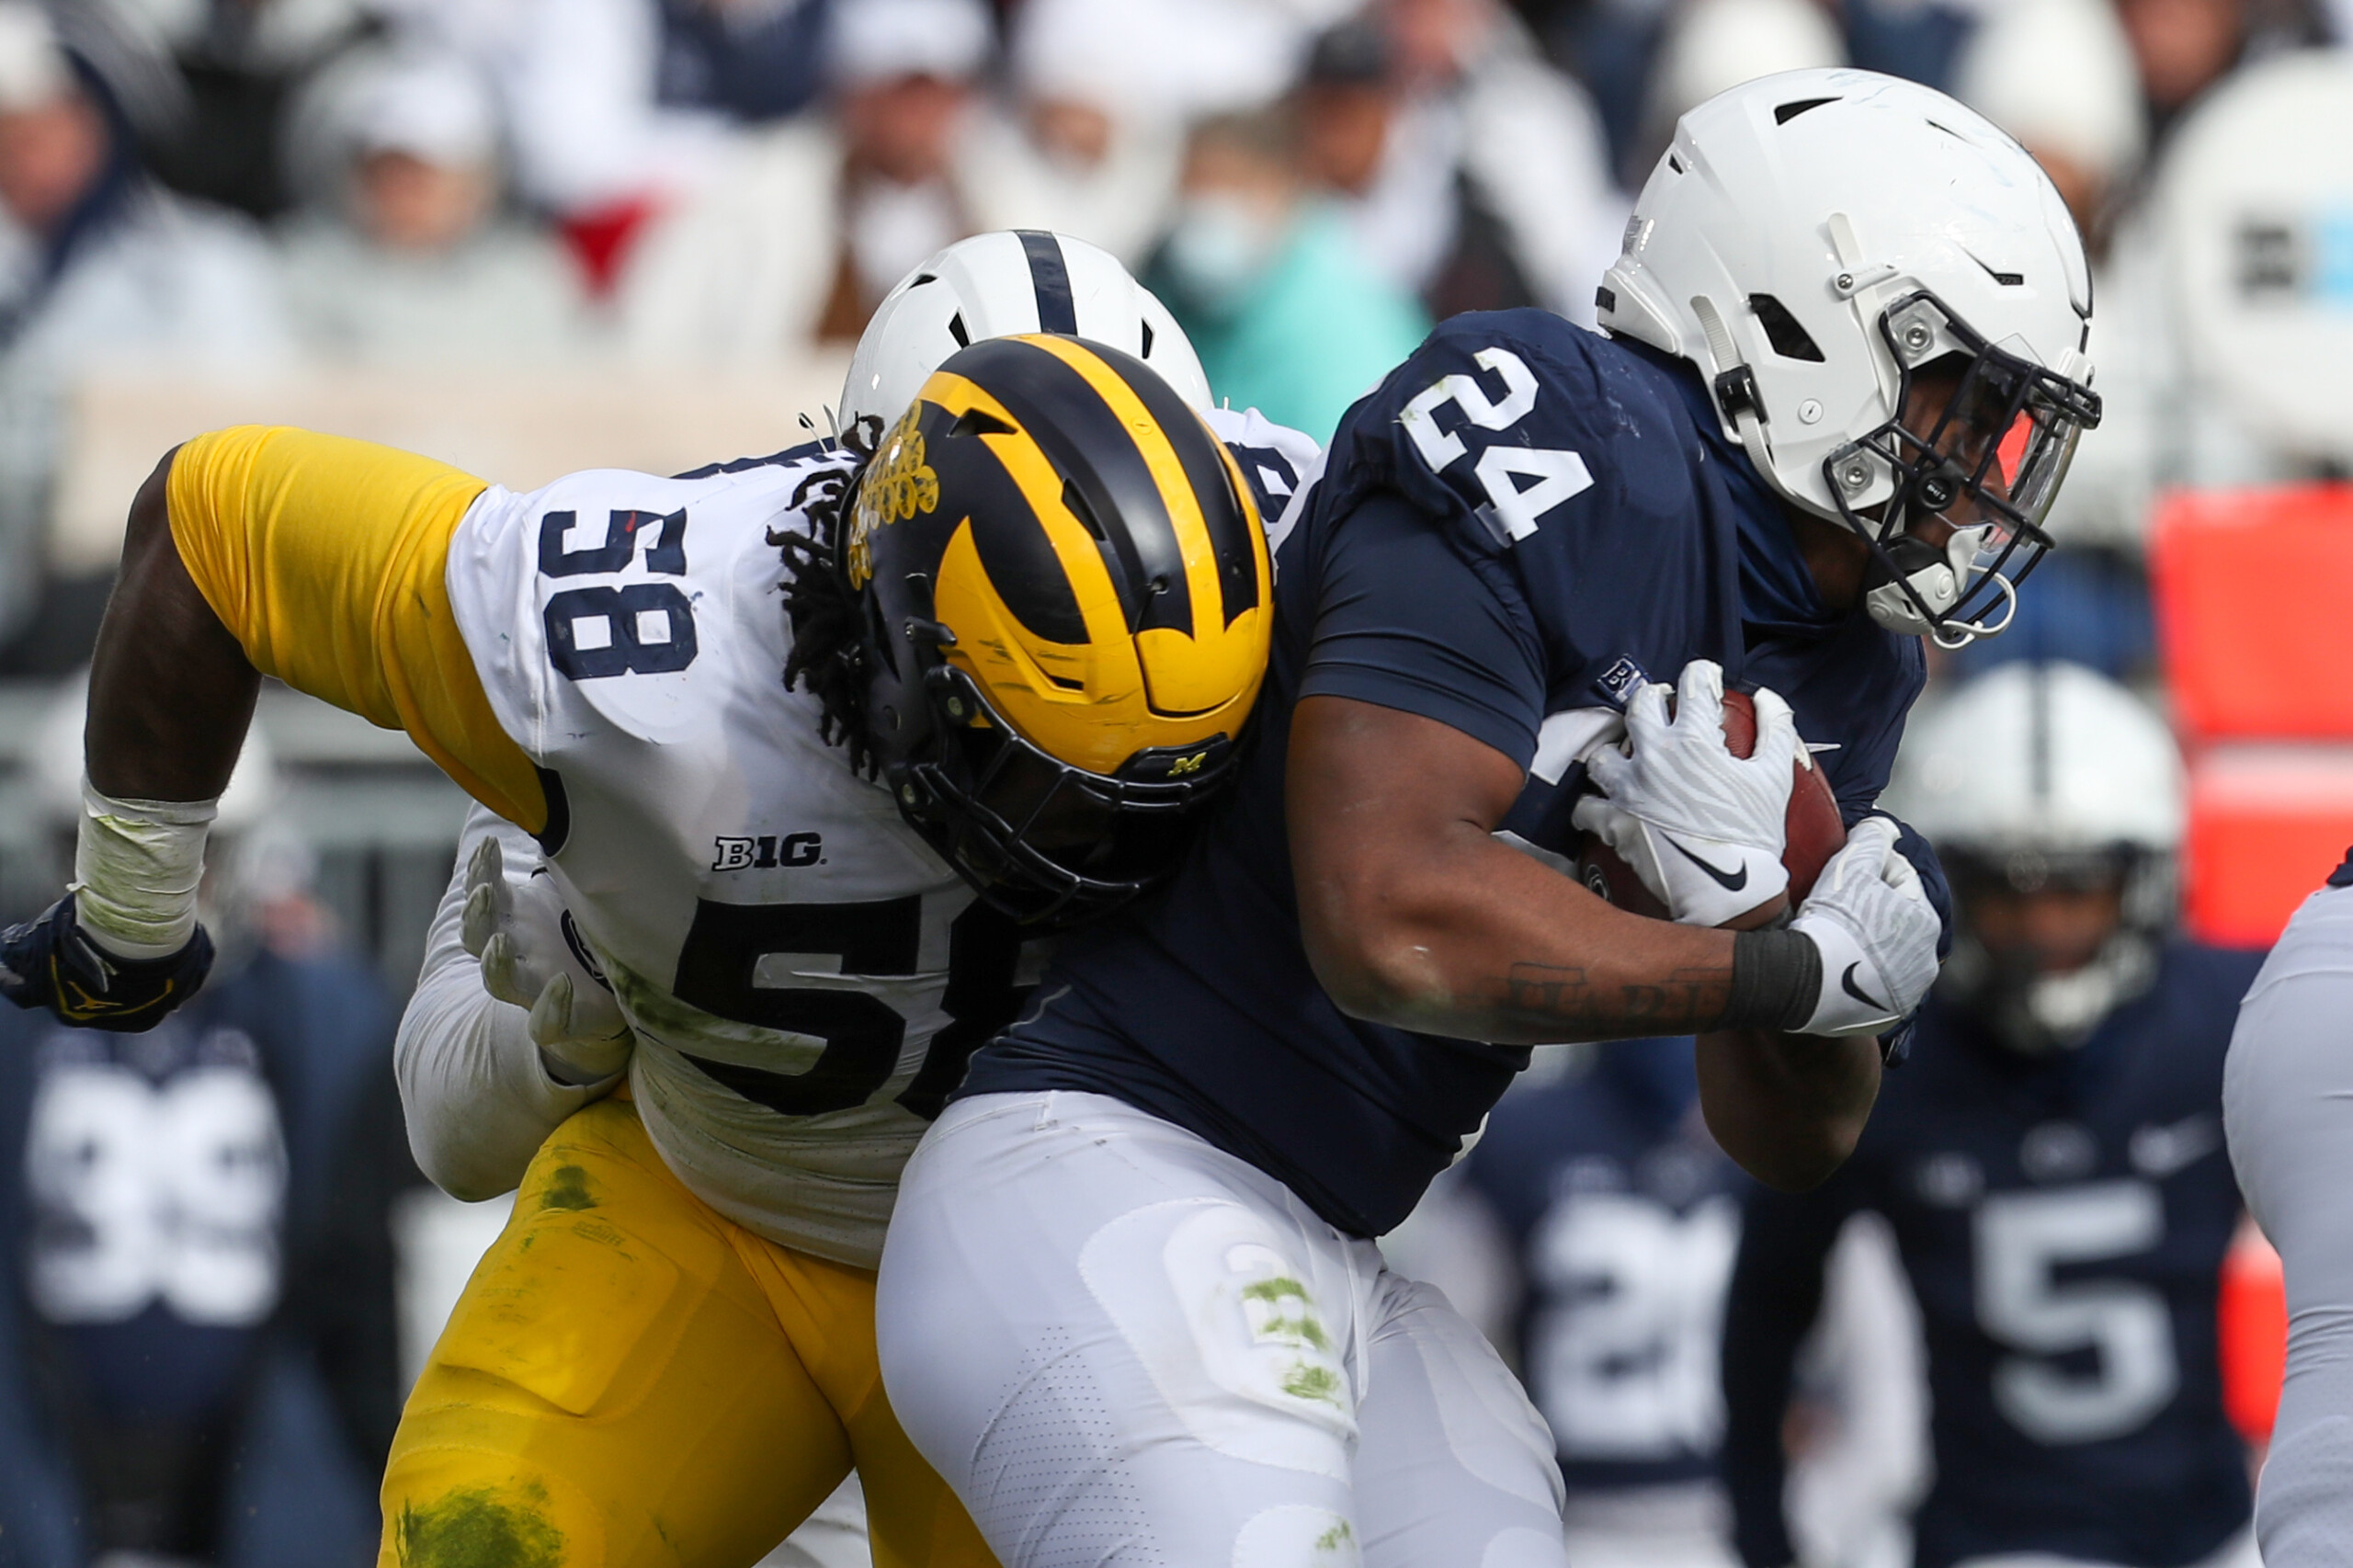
column 600, row 663
column 2062, row 1219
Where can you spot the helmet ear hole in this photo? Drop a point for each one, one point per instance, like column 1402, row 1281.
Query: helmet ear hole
column 1787, row 334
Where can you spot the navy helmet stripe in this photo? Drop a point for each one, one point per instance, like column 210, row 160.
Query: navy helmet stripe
column 1096, row 455
column 1057, row 311
column 1212, row 483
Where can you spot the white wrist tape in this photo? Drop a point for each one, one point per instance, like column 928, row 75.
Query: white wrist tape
column 136, row 866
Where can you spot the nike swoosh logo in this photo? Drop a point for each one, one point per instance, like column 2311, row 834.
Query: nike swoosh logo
column 1731, row 881
column 1847, row 984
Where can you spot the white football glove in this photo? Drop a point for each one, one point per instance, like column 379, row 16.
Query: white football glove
column 1702, row 827
column 516, row 926
column 1876, row 930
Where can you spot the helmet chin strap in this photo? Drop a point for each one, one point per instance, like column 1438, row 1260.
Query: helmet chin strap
column 1955, row 635
column 1934, row 581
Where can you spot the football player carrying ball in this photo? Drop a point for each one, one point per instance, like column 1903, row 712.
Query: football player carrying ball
column 1130, row 1305
column 810, row 746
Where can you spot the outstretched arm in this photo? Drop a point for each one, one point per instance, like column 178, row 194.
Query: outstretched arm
column 250, row 551
column 1416, row 915
column 171, row 689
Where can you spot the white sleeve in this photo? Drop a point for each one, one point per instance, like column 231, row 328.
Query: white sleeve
column 1282, row 462
column 478, row 1102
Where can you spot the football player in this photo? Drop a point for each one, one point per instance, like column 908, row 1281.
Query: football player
column 2051, row 1164
column 1622, row 1216
column 809, row 746
column 2287, row 1088
column 1590, row 1235
column 1128, row 1295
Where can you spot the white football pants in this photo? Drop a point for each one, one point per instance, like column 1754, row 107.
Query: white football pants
column 1122, row 1346
column 2288, row 1108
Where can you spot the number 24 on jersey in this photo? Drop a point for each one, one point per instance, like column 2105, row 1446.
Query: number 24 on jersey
column 1510, row 513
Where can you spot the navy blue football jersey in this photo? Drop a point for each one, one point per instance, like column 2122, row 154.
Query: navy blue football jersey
column 2062, row 1221
column 1521, row 524
column 1623, row 1216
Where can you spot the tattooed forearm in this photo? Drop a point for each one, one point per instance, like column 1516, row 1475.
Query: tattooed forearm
column 1689, row 999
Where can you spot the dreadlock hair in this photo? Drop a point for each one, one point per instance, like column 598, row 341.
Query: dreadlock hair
column 825, row 614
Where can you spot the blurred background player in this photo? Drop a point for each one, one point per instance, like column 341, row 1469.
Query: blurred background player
column 192, row 1370
column 2051, row 1162
column 1590, row 1234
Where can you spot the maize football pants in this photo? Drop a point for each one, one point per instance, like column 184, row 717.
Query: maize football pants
column 631, row 1380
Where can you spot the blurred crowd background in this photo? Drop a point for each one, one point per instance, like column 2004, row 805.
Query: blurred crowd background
column 530, row 235
column 650, row 193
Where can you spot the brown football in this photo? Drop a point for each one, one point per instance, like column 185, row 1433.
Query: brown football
column 1812, row 833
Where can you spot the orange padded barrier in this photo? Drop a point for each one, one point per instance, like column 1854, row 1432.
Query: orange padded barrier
column 2267, row 824
column 2254, row 593
column 2252, row 1316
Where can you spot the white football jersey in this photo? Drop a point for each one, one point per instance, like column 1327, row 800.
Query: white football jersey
column 794, row 958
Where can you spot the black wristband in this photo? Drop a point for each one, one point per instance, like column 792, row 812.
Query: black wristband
column 1776, row 981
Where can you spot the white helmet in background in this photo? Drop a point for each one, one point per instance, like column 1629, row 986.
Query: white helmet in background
column 1812, row 241
column 998, row 284
column 2038, row 775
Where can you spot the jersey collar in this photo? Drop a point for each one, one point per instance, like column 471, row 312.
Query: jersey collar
column 1777, row 592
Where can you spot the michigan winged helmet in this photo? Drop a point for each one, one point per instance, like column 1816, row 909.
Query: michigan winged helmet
column 1065, row 607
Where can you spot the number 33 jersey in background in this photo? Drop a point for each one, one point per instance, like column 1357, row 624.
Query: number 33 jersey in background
column 805, row 978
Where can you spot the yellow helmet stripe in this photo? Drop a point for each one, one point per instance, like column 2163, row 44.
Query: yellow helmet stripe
column 1082, row 558
column 1177, row 485
column 1151, row 525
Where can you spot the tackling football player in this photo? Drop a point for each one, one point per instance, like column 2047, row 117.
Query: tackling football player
column 1027, row 597
column 1129, row 1305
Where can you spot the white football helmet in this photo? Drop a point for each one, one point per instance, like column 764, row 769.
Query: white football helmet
column 1813, row 240
column 994, row 285
column 2034, row 776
